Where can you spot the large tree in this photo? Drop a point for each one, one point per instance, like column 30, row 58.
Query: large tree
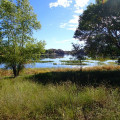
column 17, row 46
column 99, row 27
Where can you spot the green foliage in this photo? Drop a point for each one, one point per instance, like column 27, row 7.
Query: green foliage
column 101, row 1
column 99, row 27
column 17, row 46
column 78, row 52
column 22, row 99
column 72, row 62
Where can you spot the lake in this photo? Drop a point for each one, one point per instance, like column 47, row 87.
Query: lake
column 56, row 63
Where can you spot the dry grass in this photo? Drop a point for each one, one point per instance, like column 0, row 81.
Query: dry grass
column 4, row 72
column 102, row 68
column 45, row 70
column 32, row 71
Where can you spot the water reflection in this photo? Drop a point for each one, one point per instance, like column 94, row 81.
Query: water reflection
column 56, row 62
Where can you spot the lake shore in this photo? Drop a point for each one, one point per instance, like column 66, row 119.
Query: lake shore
column 108, row 74
column 67, row 61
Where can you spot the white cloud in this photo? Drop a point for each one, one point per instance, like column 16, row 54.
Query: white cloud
column 75, row 19
column 71, row 24
column 63, row 25
column 53, row 4
column 67, row 3
column 81, row 3
column 72, row 28
column 63, row 3
column 78, row 5
column 79, row 11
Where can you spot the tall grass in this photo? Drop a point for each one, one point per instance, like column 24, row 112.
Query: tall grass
column 32, row 71
column 24, row 99
column 108, row 75
column 72, row 97
column 4, row 72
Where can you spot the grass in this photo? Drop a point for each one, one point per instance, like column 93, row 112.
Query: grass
column 101, row 59
column 112, row 63
column 35, row 71
column 54, row 63
column 61, row 94
column 39, row 61
column 4, row 72
column 101, row 63
column 108, row 75
column 77, row 62
column 24, row 99
column 72, row 62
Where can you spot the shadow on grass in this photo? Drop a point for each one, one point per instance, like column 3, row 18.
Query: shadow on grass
column 94, row 78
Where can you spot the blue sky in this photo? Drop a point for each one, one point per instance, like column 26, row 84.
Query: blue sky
column 59, row 19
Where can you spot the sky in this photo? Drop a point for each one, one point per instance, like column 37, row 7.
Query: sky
column 59, row 20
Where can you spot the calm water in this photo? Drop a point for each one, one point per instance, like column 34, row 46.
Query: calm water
column 57, row 61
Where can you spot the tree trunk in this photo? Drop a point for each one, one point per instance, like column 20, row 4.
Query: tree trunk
column 17, row 69
column 14, row 71
column 80, row 65
column 80, row 68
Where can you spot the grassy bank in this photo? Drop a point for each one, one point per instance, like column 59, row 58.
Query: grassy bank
column 33, row 71
column 61, row 94
column 39, row 61
column 24, row 99
column 108, row 75
column 72, row 62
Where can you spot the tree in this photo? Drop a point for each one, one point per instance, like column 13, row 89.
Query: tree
column 17, row 46
column 101, row 1
column 99, row 27
column 78, row 53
